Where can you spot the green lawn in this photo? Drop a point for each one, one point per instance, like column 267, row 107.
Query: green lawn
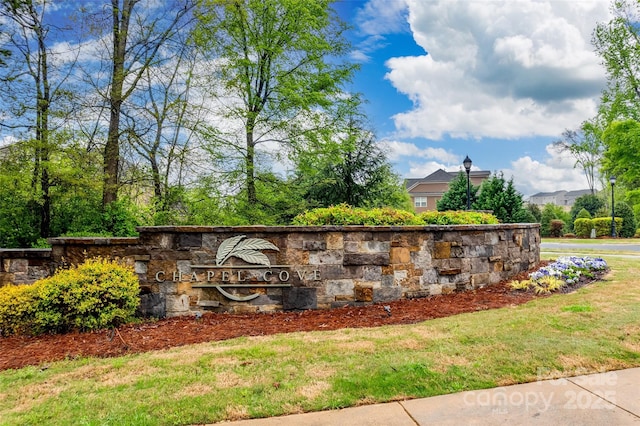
column 593, row 329
column 620, row 241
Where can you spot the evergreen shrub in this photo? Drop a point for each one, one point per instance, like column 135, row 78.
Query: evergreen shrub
column 96, row 294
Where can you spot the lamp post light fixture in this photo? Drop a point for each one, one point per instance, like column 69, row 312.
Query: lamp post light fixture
column 612, row 179
column 467, row 166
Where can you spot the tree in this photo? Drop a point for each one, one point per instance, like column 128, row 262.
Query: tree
column 358, row 174
column 161, row 126
column 276, row 72
column 592, row 204
column 586, row 147
column 622, row 154
column 628, row 228
column 32, row 87
column 502, row 199
column 535, row 211
column 455, row 198
column 4, row 53
column 551, row 213
column 133, row 51
column 618, row 44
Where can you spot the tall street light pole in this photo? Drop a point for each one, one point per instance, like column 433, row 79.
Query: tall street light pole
column 612, row 179
column 467, row 166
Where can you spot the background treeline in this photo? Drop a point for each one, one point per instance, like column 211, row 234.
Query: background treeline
column 119, row 113
column 134, row 112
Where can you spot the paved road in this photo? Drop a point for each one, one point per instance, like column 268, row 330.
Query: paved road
column 608, row 247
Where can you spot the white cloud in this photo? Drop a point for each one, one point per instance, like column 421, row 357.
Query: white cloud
column 556, row 172
column 382, row 17
column 397, row 150
column 8, row 140
column 502, row 69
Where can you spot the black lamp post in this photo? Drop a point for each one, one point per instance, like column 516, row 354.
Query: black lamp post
column 612, row 179
column 467, row 167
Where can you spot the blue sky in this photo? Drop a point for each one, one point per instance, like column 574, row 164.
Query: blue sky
column 496, row 80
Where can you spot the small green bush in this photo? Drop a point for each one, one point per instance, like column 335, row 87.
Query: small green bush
column 346, row 215
column 583, row 214
column 96, row 294
column 582, row 227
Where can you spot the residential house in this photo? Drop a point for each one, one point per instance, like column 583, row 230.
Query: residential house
column 425, row 192
column 564, row 199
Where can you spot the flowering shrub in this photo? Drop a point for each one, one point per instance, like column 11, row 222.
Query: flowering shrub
column 566, row 271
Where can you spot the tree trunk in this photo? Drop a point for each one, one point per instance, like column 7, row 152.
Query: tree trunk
column 252, row 198
column 112, row 147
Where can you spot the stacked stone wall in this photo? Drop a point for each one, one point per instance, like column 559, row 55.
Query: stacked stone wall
column 307, row 267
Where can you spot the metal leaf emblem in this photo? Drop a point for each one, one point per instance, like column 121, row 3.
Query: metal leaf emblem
column 247, row 250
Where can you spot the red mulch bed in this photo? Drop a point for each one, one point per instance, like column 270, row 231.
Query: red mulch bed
column 20, row 351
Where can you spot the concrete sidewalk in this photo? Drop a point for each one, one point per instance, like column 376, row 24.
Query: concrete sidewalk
column 611, row 398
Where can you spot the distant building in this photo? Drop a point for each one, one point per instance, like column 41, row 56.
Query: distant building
column 425, row 192
column 564, row 199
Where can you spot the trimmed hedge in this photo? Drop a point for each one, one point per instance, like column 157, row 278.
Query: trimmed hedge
column 96, row 294
column 582, row 227
column 458, row 218
column 346, row 215
column 602, row 225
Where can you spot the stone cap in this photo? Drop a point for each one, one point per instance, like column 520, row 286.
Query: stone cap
column 332, row 228
column 93, row 241
column 24, row 253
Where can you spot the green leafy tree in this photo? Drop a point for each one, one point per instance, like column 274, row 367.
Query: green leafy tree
column 30, row 89
column 455, row 198
column 622, row 153
column 501, row 197
column 276, row 71
column 18, row 208
column 535, row 211
column 551, row 213
column 355, row 172
column 628, row 228
column 137, row 37
column 617, row 42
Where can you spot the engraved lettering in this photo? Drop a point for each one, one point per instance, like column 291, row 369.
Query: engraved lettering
column 160, row 276
column 177, row 276
column 194, row 277
column 266, row 276
column 210, row 275
column 241, row 277
column 225, row 276
column 283, row 276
